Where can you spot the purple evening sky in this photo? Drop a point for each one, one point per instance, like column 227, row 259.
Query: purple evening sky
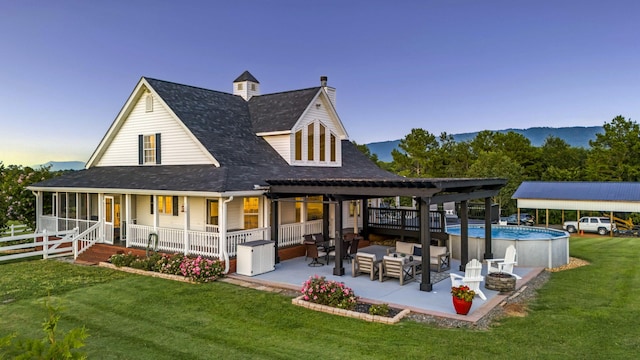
column 67, row 67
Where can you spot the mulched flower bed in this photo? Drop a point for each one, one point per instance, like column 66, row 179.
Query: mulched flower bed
column 364, row 308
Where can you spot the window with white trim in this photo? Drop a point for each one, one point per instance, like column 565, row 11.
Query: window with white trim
column 315, row 144
column 149, row 149
column 251, row 209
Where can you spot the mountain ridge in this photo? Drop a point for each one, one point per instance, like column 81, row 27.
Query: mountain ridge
column 576, row 136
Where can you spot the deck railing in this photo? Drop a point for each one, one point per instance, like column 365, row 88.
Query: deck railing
column 403, row 219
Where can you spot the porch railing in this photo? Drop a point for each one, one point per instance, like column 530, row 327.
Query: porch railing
column 86, row 239
column 54, row 224
column 291, row 234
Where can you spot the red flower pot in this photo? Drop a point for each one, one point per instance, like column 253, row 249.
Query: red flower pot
column 462, row 307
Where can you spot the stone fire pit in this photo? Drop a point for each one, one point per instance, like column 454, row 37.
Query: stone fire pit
column 501, row 282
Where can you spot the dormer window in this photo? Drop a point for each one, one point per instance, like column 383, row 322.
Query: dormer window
column 314, row 144
column 240, row 86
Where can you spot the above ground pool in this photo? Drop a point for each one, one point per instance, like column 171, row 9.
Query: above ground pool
column 535, row 247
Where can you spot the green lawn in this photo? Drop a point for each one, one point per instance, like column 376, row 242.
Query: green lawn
column 591, row 312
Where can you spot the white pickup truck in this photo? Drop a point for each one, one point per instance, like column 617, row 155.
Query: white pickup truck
column 600, row 225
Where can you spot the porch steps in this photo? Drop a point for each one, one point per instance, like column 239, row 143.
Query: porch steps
column 102, row 252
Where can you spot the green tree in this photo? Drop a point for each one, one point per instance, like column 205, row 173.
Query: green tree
column 495, row 164
column 560, row 161
column 17, row 202
column 615, row 154
column 365, row 150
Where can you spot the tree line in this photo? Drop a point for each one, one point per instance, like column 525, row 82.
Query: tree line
column 613, row 155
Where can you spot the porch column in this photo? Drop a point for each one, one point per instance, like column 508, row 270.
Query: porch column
column 488, row 252
column 156, row 216
column 101, row 216
column 464, row 234
column 365, row 218
column 325, row 218
column 187, row 219
column 127, row 205
column 39, row 199
column 338, row 269
column 425, row 239
column 275, row 226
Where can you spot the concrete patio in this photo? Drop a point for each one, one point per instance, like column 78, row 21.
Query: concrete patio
column 291, row 274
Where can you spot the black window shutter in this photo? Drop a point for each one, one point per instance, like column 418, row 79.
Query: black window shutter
column 140, row 149
column 151, row 204
column 175, row 206
column 158, row 155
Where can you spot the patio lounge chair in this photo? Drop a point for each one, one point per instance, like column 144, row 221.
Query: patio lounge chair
column 504, row 265
column 397, row 267
column 314, row 253
column 365, row 263
column 472, row 277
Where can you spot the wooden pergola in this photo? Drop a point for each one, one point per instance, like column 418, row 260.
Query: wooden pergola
column 425, row 191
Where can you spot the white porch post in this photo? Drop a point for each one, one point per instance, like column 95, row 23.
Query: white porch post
column 127, row 205
column 56, row 207
column 303, row 215
column 39, row 199
column 187, row 220
column 156, row 216
column 101, row 234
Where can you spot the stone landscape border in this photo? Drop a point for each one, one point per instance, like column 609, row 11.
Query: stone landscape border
column 348, row 313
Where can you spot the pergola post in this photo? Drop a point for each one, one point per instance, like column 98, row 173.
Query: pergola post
column 488, row 252
column 425, row 240
column 275, row 226
column 464, row 234
column 338, row 270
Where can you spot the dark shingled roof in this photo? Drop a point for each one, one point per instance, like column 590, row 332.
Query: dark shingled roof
column 279, row 112
column 226, row 125
column 212, row 179
column 246, row 76
column 583, row 191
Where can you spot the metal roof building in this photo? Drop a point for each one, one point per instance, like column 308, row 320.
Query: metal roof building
column 569, row 195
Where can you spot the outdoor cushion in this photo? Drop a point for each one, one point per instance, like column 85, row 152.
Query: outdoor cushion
column 404, row 248
column 417, row 251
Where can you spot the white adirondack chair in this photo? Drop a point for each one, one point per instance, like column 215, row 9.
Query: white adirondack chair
column 472, row 278
column 506, row 264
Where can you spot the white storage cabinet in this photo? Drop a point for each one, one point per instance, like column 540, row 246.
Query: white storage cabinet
column 255, row 257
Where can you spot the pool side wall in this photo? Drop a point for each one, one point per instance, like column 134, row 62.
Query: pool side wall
column 547, row 253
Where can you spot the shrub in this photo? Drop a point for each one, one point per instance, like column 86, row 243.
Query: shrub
column 52, row 346
column 382, row 309
column 198, row 269
column 120, row 260
column 201, row 269
column 332, row 293
column 170, row 264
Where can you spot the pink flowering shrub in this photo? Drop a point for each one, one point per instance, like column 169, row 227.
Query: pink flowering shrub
column 201, row 269
column 332, row 293
column 197, row 269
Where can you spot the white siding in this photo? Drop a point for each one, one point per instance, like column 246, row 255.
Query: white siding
column 282, row 144
column 235, row 214
column 287, row 212
column 318, row 115
column 197, row 212
column 178, row 147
